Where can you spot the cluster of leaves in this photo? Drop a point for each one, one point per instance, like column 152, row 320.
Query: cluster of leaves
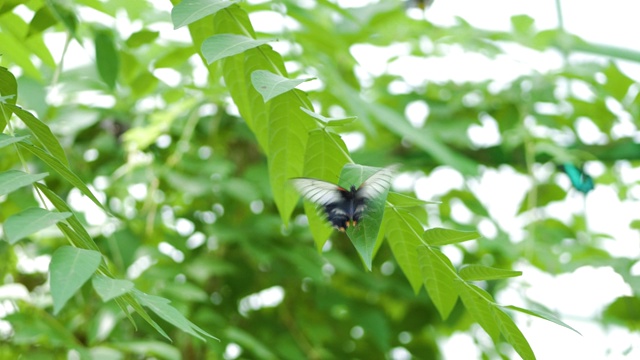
column 210, row 179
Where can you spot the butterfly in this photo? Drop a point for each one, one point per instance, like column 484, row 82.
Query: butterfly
column 579, row 179
column 344, row 207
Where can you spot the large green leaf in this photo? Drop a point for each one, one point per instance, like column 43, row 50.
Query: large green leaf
column 288, row 133
column 70, row 268
column 221, row 46
column 403, row 234
column 42, row 132
column 270, row 85
column 440, row 236
column 14, row 179
column 108, row 288
column 476, row 272
column 480, row 305
column 512, row 334
column 160, row 306
column 107, row 58
column 29, row 221
column 8, row 94
column 439, row 278
column 63, row 171
column 324, row 158
column 189, row 11
column 364, row 236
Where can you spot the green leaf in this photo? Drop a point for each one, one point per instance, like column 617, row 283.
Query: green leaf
column 543, row 315
column 512, row 334
column 288, row 133
column 403, row 201
column 546, row 194
column 160, row 306
column 475, row 272
column 403, row 234
column 221, row 46
column 270, row 85
column 81, row 237
column 107, row 58
column 324, row 158
column 42, row 20
column 42, row 133
column 30, row 221
column 439, row 278
column 63, row 171
column 8, row 140
column 189, row 11
column 480, row 305
column 8, row 95
column 70, row 268
column 617, row 82
column 14, row 179
column 440, row 236
column 108, row 288
column 330, row 121
column 142, row 37
column 364, row 236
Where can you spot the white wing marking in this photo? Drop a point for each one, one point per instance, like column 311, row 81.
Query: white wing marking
column 317, row 191
column 377, row 183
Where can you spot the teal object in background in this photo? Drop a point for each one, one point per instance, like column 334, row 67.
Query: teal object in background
column 579, row 179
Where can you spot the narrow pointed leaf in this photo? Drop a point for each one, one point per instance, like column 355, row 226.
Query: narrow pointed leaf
column 325, row 121
column 480, row 305
column 364, row 236
column 324, row 158
column 512, row 334
column 543, row 315
column 8, row 95
column 403, row 232
column 404, row 201
column 42, row 133
column 439, row 236
column 221, row 46
column 108, row 288
column 70, row 268
column 14, row 179
column 8, row 140
column 477, row 272
column 270, row 85
column 30, row 221
column 288, row 133
column 189, row 11
column 107, row 58
column 160, row 306
column 63, row 171
column 439, row 278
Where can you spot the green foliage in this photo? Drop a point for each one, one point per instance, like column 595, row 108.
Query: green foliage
column 194, row 216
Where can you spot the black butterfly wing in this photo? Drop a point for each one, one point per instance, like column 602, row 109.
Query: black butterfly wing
column 331, row 197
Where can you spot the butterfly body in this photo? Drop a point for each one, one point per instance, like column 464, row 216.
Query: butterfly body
column 344, row 207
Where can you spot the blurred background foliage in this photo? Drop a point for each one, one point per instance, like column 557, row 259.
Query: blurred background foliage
column 155, row 134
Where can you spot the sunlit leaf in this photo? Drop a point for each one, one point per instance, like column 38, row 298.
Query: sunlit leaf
column 160, row 306
column 440, row 236
column 476, row 272
column 439, row 278
column 221, row 46
column 14, row 179
column 30, row 221
column 70, row 268
column 109, row 288
column 403, row 232
column 512, row 334
column 189, row 11
column 543, row 315
column 270, row 85
column 480, row 305
column 42, row 132
column 330, row 121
